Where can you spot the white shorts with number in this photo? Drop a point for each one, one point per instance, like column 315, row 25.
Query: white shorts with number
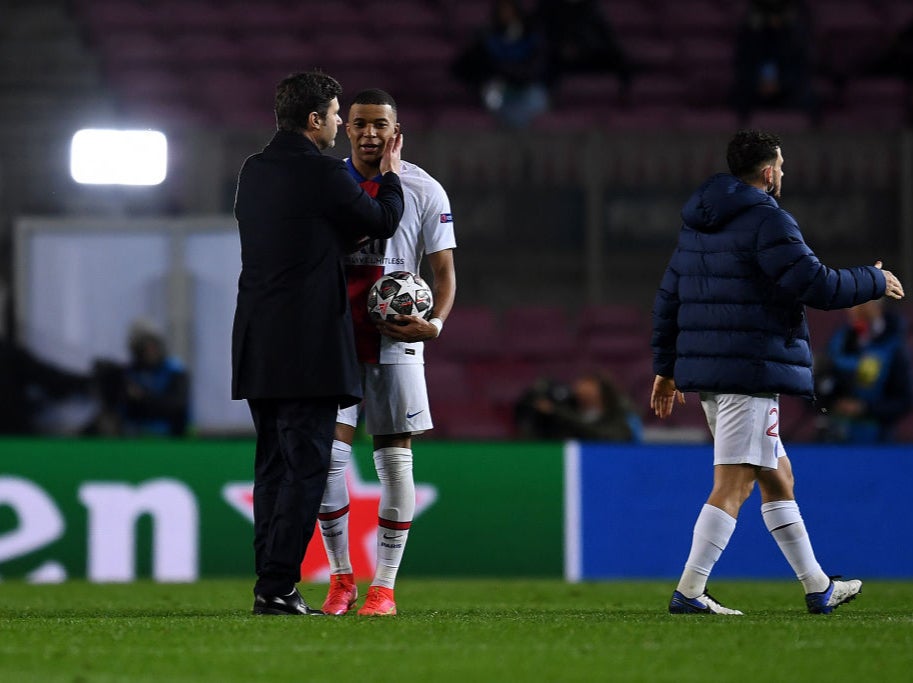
column 396, row 400
column 746, row 429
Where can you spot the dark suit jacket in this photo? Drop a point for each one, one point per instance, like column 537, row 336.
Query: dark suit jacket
column 298, row 212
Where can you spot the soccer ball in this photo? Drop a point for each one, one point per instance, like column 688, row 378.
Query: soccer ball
column 399, row 292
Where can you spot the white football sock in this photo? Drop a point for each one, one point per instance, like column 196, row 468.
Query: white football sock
column 334, row 511
column 784, row 522
column 397, row 506
column 712, row 532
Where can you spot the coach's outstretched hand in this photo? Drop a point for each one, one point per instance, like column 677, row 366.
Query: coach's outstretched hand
column 893, row 287
column 391, row 160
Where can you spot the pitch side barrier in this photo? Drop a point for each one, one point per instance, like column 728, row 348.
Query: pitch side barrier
column 117, row 511
column 630, row 511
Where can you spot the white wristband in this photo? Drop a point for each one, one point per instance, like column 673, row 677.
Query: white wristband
column 439, row 324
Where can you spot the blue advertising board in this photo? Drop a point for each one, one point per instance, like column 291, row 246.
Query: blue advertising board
column 630, row 511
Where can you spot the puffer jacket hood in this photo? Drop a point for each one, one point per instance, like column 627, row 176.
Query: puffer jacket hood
column 720, row 199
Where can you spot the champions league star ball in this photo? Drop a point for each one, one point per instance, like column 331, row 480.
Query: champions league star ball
column 399, row 292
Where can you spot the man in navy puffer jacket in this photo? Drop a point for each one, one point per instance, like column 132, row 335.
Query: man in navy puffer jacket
column 729, row 322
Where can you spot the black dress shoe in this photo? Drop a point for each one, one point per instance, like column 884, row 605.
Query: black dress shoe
column 283, row 604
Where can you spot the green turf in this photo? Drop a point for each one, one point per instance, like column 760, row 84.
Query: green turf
column 451, row 631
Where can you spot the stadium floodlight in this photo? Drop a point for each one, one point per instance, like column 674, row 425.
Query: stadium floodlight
column 100, row 156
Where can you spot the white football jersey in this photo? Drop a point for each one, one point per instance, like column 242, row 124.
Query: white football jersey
column 426, row 227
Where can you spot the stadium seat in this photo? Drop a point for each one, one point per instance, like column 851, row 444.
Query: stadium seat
column 707, row 119
column 404, row 16
column 180, row 16
column 868, row 116
column 611, row 317
column 283, row 52
column 682, row 50
column 537, row 332
column 645, row 117
column 207, row 48
column 266, row 15
column 585, row 90
column 165, row 113
column 845, row 16
column 138, row 83
column 606, row 347
column 465, row 118
column 104, row 17
column 631, row 18
column 470, row 333
column 469, row 420
column 576, row 118
column 652, row 53
column 137, row 48
column 705, row 18
column 891, row 92
column 467, row 18
column 502, row 382
column 896, row 13
column 245, row 116
column 448, row 378
column 781, row 120
column 662, row 89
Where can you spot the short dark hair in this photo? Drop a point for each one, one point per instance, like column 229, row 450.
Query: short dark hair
column 375, row 96
column 299, row 94
column 749, row 150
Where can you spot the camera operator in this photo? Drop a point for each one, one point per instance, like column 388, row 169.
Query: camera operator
column 591, row 408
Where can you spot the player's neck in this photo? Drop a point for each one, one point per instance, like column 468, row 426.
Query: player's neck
column 367, row 171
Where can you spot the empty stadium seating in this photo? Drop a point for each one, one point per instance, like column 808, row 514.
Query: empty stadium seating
column 683, row 51
column 209, row 63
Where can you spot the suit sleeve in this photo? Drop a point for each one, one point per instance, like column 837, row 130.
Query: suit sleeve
column 785, row 257
column 374, row 216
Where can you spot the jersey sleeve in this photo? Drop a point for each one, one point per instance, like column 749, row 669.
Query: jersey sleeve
column 437, row 219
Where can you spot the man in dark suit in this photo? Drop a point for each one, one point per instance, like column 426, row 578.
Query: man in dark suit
column 293, row 351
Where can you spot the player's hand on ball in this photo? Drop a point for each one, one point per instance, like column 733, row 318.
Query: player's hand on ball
column 407, row 328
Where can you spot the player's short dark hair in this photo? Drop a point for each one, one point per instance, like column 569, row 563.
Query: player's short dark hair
column 299, row 94
column 749, row 151
column 375, row 96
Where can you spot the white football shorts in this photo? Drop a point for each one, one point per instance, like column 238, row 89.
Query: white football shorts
column 396, row 400
column 746, row 429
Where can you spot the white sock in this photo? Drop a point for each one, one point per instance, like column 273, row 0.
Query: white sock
column 712, row 532
column 397, row 506
column 334, row 511
column 786, row 526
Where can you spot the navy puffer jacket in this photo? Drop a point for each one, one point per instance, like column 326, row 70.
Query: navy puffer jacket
column 729, row 315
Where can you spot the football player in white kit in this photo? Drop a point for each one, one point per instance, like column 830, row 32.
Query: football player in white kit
column 396, row 401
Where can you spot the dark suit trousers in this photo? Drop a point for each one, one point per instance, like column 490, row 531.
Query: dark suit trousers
column 294, row 439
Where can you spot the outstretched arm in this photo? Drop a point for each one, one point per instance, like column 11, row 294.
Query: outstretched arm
column 892, row 288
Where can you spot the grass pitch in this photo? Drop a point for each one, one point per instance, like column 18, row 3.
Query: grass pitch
column 463, row 631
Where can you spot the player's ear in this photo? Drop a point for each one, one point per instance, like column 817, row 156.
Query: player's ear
column 314, row 121
column 396, row 128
